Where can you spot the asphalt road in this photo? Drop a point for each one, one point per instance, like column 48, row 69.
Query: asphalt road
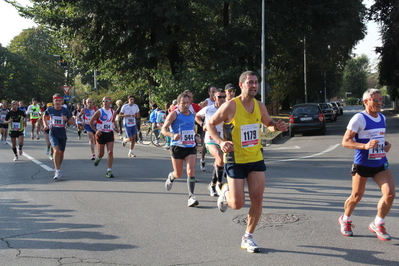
column 87, row 219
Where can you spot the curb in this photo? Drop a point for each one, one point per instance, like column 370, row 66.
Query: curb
column 267, row 142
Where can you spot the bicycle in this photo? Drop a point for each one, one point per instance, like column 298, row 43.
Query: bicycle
column 144, row 135
column 157, row 138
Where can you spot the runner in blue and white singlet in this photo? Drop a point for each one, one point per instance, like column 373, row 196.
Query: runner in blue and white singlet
column 85, row 117
column 179, row 126
column 366, row 133
column 103, row 123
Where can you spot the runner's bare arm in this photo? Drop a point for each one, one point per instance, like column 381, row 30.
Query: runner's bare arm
column 269, row 122
column 93, row 119
column 169, row 120
column 349, row 142
column 224, row 114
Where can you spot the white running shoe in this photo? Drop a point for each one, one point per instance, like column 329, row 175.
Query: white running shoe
column 222, row 201
column 192, row 201
column 16, row 158
column 20, row 151
column 202, row 166
column 249, row 244
column 212, row 190
column 57, row 175
column 169, row 182
column 131, row 154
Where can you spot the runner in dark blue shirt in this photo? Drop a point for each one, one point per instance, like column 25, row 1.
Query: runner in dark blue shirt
column 57, row 116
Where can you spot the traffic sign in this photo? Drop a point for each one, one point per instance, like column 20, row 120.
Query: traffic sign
column 67, row 98
column 66, row 89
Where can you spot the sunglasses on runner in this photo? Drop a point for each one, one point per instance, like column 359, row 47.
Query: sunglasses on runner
column 376, row 100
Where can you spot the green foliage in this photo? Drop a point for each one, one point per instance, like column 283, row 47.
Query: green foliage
column 36, row 48
column 355, row 76
column 387, row 14
column 352, row 101
column 156, row 49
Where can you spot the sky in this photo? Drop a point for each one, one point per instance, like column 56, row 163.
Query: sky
column 11, row 25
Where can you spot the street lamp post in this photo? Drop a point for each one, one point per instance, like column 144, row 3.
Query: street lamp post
column 304, row 69
column 325, row 86
column 262, row 67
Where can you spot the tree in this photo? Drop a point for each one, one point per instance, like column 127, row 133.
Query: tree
column 355, row 76
column 37, row 49
column 386, row 13
column 213, row 41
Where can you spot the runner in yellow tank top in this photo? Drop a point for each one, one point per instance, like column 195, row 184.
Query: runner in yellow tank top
column 243, row 131
column 242, row 156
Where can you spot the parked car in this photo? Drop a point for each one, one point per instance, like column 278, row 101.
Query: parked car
column 328, row 111
column 306, row 117
column 336, row 108
column 341, row 110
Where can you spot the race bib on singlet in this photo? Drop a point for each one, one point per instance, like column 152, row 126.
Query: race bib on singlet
column 188, row 137
column 105, row 126
column 16, row 126
column 379, row 152
column 249, row 135
column 57, row 121
column 2, row 118
column 130, row 121
column 35, row 114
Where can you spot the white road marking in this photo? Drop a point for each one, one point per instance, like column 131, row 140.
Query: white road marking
column 35, row 161
column 296, row 147
column 330, row 148
column 38, row 162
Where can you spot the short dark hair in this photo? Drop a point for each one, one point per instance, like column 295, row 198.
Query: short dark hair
column 181, row 95
column 245, row 74
column 210, row 87
column 220, row 90
column 131, row 96
column 230, row 86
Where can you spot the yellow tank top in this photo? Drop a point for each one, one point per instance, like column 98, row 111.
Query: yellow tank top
column 244, row 131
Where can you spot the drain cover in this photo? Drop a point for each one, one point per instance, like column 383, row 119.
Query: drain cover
column 272, row 219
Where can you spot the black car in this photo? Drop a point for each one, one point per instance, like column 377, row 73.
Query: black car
column 328, row 111
column 306, row 117
column 336, row 107
column 341, row 110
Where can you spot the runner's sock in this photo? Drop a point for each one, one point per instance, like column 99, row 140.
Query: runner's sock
column 346, row 218
column 214, row 176
column 219, row 174
column 246, row 235
column 378, row 220
column 191, row 185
